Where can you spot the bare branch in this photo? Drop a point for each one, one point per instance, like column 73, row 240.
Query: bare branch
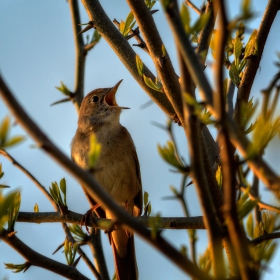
column 193, row 6
column 104, row 224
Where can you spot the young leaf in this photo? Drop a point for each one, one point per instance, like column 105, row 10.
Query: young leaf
column 94, row 151
column 185, row 18
column 139, row 65
column 251, row 48
column 237, row 49
column 4, row 129
column 127, row 25
column 146, row 198
column 234, row 74
column 200, row 23
column 150, row 83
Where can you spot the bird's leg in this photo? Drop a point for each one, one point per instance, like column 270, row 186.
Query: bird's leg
column 88, row 215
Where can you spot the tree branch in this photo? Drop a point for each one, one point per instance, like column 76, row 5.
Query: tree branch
column 80, row 54
column 105, row 224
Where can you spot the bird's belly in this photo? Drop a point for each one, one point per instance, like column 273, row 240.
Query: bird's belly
column 118, row 180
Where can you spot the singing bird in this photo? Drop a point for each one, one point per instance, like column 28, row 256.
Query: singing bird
column 117, row 169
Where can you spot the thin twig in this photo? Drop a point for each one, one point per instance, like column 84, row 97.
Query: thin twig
column 265, row 237
column 30, row 176
column 193, row 6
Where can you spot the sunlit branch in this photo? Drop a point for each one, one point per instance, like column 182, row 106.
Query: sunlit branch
column 104, row 224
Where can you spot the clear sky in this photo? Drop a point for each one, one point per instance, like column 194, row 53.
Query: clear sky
column 36, row 53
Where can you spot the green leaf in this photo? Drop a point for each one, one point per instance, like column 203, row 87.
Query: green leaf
column 62, row 185
column 246, row 208
column 150, row 83
column 251, row 48
column 163, row 50
column 13, row 141
column 122, row 26
column 13, row 212
column 150, row 4
column 94, row 151
column 95, row 37
column 63, row 88
column 185, row 18
column 234, row 74
column 237, row 50
column 4, row 129
column 250, row 226
column 16, row 268
column 154, row 224
column 168, row 154
column 6, row 202
column 146, row 198
column 246, row 6
column 36, row 208
column 139, row 65
column 127, row 26
column 269, row 252
column 219, row 177
column 200, row 23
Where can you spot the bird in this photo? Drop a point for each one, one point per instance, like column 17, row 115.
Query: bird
column 117, row 169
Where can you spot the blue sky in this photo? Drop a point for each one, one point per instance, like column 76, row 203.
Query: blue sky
column 36, row 53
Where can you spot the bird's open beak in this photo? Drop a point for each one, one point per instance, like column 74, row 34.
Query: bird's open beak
column 110, row 97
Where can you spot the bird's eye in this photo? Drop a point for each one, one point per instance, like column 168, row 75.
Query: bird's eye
column 95, row 99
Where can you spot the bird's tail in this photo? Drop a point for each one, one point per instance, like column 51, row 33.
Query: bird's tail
column 124, row 254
